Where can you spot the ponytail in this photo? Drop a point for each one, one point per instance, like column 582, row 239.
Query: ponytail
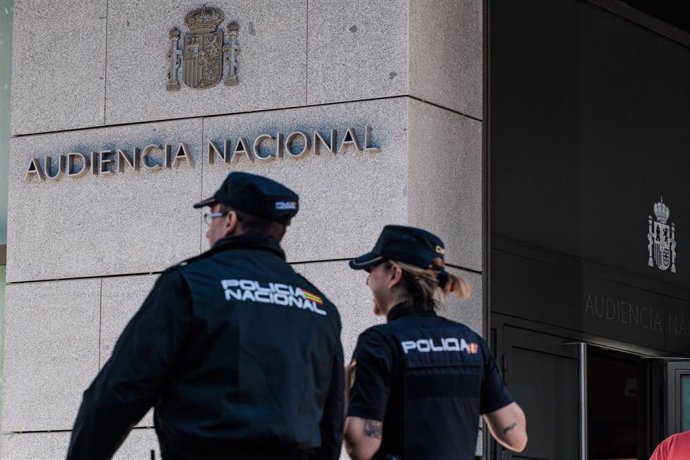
column 453, row 284
column 426, row 288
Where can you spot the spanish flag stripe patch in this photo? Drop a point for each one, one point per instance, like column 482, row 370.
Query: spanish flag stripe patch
column 312, row 297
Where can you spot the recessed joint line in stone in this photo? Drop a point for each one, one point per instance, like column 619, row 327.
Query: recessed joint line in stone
column 445, row 108
column 466, row 269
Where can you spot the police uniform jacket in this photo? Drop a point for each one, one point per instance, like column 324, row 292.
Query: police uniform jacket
column 240, row 356
column 427, row 379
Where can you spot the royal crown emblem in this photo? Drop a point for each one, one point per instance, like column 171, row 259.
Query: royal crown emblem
column 206, row 57
column 661, row 239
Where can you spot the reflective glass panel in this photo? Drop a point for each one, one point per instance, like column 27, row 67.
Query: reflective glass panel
column 685, row 402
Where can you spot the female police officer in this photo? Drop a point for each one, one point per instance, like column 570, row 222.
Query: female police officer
column 419, row 383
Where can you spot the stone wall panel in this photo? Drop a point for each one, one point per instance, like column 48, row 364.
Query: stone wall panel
column 445, row 180
column 58, row 65
column 105, row 224
column 50, row 352
column 445, row 43
column 272, row 59
column 357, row 50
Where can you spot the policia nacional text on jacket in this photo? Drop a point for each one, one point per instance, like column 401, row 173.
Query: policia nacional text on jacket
column 239, row 355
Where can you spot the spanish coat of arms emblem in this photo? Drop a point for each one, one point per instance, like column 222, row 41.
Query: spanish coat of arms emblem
column 661, row 239
column 206, row 56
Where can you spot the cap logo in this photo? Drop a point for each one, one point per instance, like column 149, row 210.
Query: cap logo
column 440, row 250
column 286, row 205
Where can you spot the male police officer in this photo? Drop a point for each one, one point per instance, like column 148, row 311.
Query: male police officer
column 239, row 355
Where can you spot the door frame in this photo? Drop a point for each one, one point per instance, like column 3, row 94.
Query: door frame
column 512, row 338
column 658, row 379
column 675, row 370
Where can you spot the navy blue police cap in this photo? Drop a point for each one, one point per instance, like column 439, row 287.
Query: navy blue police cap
column 410, row 245
column 257, row 196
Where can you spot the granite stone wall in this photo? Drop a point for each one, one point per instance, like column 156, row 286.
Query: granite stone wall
column 398, row 81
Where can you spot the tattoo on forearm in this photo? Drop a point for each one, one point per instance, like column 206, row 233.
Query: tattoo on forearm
column 509, row 428
column 373, row 428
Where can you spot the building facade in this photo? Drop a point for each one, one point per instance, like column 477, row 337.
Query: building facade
column 546, row 142
column 370, row 110
column 589, row 294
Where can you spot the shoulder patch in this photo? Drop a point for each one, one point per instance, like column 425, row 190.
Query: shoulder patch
column 316, row 292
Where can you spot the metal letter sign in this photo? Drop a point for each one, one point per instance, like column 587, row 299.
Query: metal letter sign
column 205, row 57
column 157, row 157
column 661, row 239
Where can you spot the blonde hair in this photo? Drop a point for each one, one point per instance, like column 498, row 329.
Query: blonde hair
column 427, row 287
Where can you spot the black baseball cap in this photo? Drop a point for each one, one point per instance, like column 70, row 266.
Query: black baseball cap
column 410, row 245
column 256, row 195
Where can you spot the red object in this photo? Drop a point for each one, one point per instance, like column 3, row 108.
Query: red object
column 675, row 447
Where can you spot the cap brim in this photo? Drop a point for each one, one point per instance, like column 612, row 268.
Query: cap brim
column 366, row 261
column 207, row 202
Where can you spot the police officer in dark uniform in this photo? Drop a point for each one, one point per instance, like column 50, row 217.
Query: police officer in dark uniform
column 239, row 355
column 419, row 382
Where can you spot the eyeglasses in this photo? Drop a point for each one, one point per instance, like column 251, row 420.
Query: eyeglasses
column 209, row 216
